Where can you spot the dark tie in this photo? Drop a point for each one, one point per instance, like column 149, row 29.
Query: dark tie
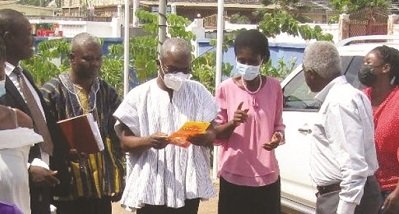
column 36, row 114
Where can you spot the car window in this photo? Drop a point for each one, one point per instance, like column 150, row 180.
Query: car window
column 352, row 69
column 297, row 95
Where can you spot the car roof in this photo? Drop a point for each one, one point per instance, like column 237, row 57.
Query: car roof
column 361, row 45
column 355, row 46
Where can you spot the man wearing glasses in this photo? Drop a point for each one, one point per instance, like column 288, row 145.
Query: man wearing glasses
column 161, row 177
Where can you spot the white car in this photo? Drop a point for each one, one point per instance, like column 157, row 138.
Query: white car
column 297, row 189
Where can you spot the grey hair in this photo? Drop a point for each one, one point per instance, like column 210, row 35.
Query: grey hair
column 82, row 39
column 176, row 46
column 323, row 58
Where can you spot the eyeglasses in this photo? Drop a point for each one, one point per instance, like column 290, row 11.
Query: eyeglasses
column 174, row 70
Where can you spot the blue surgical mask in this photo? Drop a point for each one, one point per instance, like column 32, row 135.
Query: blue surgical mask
column 2, row 87
column 248, row 72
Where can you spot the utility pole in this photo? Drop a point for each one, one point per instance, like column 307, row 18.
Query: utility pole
column 126, row 50
column 161, row 23
column 136, row 4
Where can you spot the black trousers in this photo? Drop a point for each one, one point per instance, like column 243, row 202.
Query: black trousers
column 235, row 199
column 190, row 207
column 85, row 206
column 369, row 204
column 39, row 199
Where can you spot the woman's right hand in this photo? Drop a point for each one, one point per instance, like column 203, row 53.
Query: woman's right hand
column 240, row 116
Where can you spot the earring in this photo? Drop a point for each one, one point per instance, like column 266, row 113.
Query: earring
column 393, row 80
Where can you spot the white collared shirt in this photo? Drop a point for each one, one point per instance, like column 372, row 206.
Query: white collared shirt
column 343, row 147
column 13, row 77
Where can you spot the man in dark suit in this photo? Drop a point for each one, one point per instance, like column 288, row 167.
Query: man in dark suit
column 24, row 95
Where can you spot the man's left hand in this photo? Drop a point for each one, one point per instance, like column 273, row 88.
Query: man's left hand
column 116, row 197
column 43, row 176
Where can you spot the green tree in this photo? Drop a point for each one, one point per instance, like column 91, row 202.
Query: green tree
column 350, row 6
column 51, row 58
column 237, row 18
column 285, row 20
column 143, row 49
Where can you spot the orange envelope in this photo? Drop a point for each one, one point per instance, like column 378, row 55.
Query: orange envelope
column 190, row 128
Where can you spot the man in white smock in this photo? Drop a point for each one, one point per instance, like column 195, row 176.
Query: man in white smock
column 162, row 177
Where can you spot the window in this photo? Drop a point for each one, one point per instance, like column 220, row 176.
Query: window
column 297, row 95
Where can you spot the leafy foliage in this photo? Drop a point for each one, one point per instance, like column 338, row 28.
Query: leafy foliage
column 238, row 19
column 51, row 59
column 143, row 49
column 281, row 70
column 282, row 22
column 349, row 6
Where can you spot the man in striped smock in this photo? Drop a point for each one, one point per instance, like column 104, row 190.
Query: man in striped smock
column 162, row 177
column 89, row 182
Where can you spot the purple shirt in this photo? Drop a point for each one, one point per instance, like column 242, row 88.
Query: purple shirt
column 242, row 160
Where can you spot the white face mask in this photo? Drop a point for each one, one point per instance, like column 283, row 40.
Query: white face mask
column 174, row 81
column 2, row 87
column 248, row 72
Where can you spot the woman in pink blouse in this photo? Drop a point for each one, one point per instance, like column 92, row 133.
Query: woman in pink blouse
column 250, row 127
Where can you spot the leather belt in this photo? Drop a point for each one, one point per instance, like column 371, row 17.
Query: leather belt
column 329, row 188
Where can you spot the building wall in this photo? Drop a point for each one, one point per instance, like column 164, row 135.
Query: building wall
column 78, row 3
column 29, row 10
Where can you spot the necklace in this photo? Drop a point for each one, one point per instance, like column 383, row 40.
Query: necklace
column 252, row 92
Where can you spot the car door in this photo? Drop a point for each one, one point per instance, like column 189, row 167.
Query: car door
column 300, row 109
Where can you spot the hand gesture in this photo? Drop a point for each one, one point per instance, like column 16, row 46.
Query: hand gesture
column 157, row 140
column 240, row 116
column 43, row 176
column 277, row 138
column 391, row 203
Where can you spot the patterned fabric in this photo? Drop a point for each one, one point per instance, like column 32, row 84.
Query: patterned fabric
column 101, row 174
column 386, row 123
column 171, row 175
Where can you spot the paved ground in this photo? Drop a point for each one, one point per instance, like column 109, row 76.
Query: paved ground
column 206, row 207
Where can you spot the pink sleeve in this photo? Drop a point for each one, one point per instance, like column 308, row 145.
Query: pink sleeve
column 220, row 97
column 221, row 117
column 278, row 123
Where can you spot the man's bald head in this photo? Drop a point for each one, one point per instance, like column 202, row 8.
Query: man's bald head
column 176, row 47
column 82, row 40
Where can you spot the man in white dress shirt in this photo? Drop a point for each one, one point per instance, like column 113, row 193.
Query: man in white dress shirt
column 161, row 177
column 343, row 156
column 16, row 137
column 16, row 31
